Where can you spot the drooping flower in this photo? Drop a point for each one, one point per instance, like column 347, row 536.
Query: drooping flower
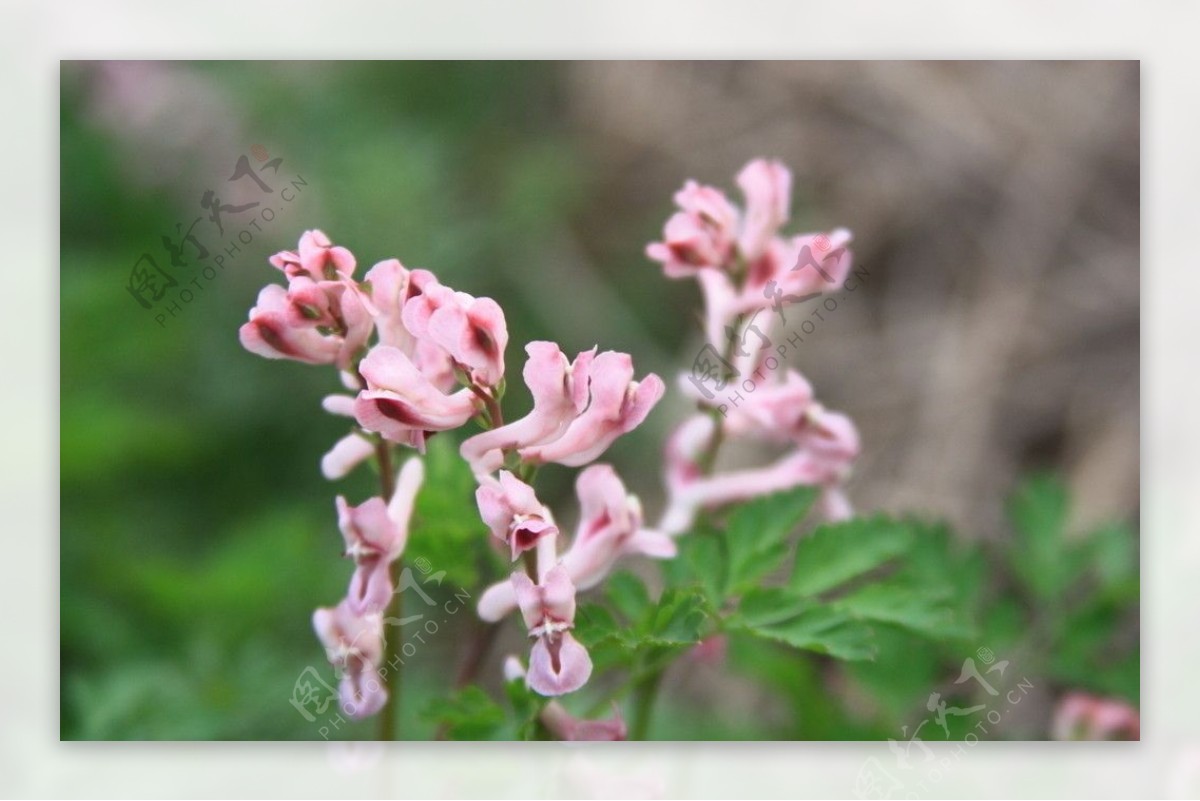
column 375, row 533
column 560, row 393
column 513, row 513
column 610, row 526
column 472, row 330
column 617, row 404
column 400, row 399
column 271, row 334
column 558, row 664
column 700, row 235
column 354, row 646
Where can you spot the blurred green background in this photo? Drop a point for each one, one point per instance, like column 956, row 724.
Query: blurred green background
column 995, row 205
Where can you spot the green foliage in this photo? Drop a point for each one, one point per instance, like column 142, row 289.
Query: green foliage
column 468, row 714
column 446, row 530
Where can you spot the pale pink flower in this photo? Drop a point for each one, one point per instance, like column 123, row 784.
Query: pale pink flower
column 472, row 330
column 271, row 334
column 617, row 405
column 774, row 411
column 400, row 399
column 558, row 664
column 346, row 454
column 386, row 286
column 354, row 646
column 316, row 258
column 375, row 533
column 767, row 186
column 512, row 511
column 560, row 392
column 565, row 726
column 1080, row 716
column 700, row 235
column 610, row 526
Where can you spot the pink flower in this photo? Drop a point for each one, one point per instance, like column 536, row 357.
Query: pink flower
column 699, row 236
column 376, row 533
column 1080, row 716
column 513, row 513
column 565, row 726
column 387, row 287
column 610, row 526
column 400, row 399
column 560, row 392
column 774, row 411
column 317, row 258
column 349, row 452
column 618, row 404
column 472, row 330
column 767, row 186
column 354, row 646
column 270, row 332
column 558, row 664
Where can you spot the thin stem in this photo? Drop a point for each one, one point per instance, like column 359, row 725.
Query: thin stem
column 645, row 694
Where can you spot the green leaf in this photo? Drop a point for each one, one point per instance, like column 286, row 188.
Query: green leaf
column 1040, row 556
column 678, row 619
column 628, row 595
column 446, row 532
column 702, row 563
column 921, row 609
column 837, row 552
column 468, row 714
column 527, row 705
column 757, row 535
column 785, row 617
column 594, row 625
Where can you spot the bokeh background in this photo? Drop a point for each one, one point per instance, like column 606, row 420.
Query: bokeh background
column 995, row 205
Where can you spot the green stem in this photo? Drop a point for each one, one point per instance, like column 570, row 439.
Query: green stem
column 645, row 694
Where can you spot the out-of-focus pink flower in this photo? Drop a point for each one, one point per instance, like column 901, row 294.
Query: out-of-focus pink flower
column 1080, row 716
column 767, row 186
column 400, row 399
column 316, row 258
column 558, row 664
column 560, row 392
column 711, row 650
column 700, row 235
column 354, row 646
column 271, row 334
column 376, row 533
column 565, row 726
column 610, row 526
column 617, row 405
column 513, row 513
column 774, row 411
column 349, row 452
column 472, row 330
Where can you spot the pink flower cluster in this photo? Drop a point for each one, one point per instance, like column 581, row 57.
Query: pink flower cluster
column 438, row 362
column 580, row 406
column 744, row 267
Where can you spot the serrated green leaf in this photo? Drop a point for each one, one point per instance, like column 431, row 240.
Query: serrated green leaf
column 836, row 552
column 757, row 533
column 628, row 595
column 468, row 714
column 702, row 563
column 678, row 619
column 921, row 609
column 785, row 617
column 594, row 625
